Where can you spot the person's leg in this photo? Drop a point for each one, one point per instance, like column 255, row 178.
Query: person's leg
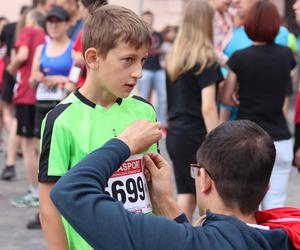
column 276, row 195
column 187, row 203
column 182, row 151
column 30, row 163
column 159, row 83
column 7, row 98
column 25, row 116
column 8, row 114
column 13, row 143
column 144, row 84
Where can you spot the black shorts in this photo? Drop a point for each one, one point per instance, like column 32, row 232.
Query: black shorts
column 7, row 87
column 41, row 110
column 25, row 120
column 182, row 150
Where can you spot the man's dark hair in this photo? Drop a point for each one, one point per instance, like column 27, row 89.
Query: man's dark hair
column 35, row 3
column 240, row 156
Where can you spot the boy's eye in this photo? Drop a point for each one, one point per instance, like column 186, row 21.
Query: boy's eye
column 144, row 60
column 128, row 59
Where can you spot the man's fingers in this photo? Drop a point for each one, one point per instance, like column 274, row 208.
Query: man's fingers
column 150, row 165
column 147, row 174
column 158, row 160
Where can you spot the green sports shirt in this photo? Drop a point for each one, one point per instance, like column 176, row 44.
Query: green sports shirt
column 76, row 127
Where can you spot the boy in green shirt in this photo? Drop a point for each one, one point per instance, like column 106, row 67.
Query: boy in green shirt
column 115, row 46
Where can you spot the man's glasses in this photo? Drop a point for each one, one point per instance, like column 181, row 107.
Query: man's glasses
column 195, row 171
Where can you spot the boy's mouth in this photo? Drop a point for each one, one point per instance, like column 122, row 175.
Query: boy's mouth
column 130, row 85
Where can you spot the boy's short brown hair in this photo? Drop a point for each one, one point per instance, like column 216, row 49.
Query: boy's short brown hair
column 110, row 25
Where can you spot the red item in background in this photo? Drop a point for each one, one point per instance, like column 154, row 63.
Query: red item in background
column 297, row 108
column 78, row 48
column 2, row 68
column 287, row 218
column 30, row 38
column 77, row 44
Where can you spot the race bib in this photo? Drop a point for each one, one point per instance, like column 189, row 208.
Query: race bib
column 128, row 185
column 44, row 93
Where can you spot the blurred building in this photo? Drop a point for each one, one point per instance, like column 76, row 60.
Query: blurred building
column 166, row 11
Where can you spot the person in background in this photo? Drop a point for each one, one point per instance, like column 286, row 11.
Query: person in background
column 51, row 65
column 153, row 73
column 168, row 34
column 30, row 37
column 8, row 37
column 78, row 72
column 263, row 73
column 43, row 6
column 223, row 27
column 193, row 74
column 3, row 22
column 240, row 40
column 76, row 18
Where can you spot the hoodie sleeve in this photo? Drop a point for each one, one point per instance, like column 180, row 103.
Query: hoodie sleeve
column 102, row 220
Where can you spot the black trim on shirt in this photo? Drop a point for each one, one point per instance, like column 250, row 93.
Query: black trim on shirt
column 145, row 101
column 47, row 136
column 84, row 99
column 90, row 103
column 142, row 100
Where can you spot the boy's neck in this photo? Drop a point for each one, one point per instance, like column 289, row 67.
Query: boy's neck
column 97, row 94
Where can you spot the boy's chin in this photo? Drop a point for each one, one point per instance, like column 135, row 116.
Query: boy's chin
column 124, row 95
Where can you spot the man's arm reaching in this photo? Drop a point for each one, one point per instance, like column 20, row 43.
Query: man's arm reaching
column 101, row 220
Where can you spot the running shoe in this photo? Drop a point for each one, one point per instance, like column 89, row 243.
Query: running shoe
column 8, row 173
column 28, row 200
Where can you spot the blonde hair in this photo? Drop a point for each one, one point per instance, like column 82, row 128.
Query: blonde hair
column 194, row 42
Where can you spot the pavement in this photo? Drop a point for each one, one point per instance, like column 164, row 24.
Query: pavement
column 13, row 232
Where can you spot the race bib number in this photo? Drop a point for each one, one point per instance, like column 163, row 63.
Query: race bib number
column 44, row 93
column 128, row 185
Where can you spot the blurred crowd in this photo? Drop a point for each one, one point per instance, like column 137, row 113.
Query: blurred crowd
column 227, row 60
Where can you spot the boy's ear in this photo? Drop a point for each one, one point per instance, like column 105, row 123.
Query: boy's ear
column 91, row 57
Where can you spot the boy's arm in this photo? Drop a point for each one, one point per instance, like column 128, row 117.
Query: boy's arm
column 51, row 220
column 54, row 162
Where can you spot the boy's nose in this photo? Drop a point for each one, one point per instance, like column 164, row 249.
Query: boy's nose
column 138, row 72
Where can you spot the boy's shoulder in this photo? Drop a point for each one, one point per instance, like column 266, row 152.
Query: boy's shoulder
column 62, row 110
column 138, row 104
column 140, row 101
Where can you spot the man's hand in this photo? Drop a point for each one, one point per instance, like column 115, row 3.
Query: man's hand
column 140, row 135
column 159, row 175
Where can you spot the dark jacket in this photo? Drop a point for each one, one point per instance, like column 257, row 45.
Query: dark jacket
column 104, row 223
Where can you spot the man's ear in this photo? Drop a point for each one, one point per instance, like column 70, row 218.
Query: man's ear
column 205, row 181
column 92, row 59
